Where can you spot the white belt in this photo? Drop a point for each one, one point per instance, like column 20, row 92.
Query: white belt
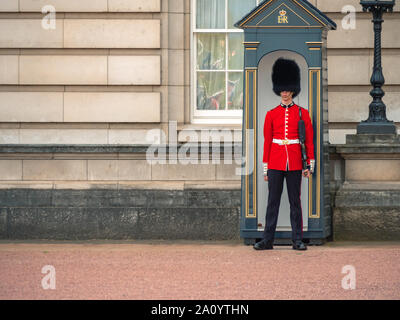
column 286, row 141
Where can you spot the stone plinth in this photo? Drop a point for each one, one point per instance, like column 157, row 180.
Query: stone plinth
column 83, row 192
column 367, row 205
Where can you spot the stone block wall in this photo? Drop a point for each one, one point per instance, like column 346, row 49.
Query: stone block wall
column 114, row 192
column 123, row 213
column 137, row 53
column 111, row 71
column 102, row 70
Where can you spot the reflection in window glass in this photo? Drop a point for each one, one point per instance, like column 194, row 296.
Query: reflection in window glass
column 235, row 90
column 235, row 54
column 219, row 54
column 211, row 90
column 210, row 14
column 211, row 51
column 237, row 9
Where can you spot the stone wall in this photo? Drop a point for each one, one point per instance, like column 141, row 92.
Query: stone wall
column 365, row 188
column 86, row 81
column 114, row 192
column 62, row 82
column 126, row 212
column 111, row 71
column 350, row 62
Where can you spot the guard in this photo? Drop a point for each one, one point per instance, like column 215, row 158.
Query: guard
column 282, row 155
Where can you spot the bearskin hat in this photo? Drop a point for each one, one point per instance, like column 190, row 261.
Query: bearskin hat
column 286, row 76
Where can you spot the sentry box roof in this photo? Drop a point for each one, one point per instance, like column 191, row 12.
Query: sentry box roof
column 293, row 14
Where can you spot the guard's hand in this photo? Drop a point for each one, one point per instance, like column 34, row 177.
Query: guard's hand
column 306, row 173
column 265, row 178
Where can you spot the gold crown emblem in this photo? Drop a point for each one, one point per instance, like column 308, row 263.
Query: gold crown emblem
column 282, row 12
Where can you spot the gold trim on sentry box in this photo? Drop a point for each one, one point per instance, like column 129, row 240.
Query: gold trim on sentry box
column 247, row 145
column 255, row 13
column 255, row 143
column 288, row 27
column 318, row 143
column 267, row 5
column 253, row 72
column 277, row 9
column 251, row 45
column 316, row 71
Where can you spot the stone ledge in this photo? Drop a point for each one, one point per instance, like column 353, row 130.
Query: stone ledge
column 43, row 148
column 141, row 185
column 368, row 198
column 372, row 186
column 368, row 149
column 368, row 144
column 98, row 198
column 120, row 214
column 373, row 139
column 99, row 148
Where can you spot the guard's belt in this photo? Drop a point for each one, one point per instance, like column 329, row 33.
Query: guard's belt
column 285, row 142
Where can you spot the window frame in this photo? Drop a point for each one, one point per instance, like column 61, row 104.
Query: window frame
column 210, row 116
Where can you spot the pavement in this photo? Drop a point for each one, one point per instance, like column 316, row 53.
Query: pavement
column 178, row 270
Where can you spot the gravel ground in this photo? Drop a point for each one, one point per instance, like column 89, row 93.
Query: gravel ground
column 197, row 270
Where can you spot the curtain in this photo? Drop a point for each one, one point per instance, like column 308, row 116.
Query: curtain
column 210, row 14
column 211, row 83
column 219, row 55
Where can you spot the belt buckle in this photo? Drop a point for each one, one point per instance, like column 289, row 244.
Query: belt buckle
column 286, row 141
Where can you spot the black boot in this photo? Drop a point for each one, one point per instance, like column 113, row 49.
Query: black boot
column 299, row 245
column 264, row 245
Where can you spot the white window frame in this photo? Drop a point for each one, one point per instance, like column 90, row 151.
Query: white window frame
column 210, row 116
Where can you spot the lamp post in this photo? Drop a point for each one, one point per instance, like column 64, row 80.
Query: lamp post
column 377, row 123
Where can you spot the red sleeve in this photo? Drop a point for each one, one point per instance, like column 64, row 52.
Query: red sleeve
column 309, row 136
column 267, row 136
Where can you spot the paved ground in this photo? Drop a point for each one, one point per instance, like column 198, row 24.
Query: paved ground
column 197, row 270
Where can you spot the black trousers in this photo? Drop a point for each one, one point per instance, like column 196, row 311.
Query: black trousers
column 275, row 187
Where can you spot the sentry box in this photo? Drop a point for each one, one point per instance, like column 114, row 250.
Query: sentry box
column 292, row 29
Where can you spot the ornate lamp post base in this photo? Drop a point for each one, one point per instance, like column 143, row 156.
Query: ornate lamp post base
column 376, row 128
column 377, row 123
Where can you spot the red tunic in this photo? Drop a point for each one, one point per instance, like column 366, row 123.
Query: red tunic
column 282, row 123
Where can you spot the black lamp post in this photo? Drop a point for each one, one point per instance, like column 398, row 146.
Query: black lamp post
column 377, row 123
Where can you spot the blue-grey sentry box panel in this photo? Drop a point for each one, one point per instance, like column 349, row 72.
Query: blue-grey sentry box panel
column 293, row 29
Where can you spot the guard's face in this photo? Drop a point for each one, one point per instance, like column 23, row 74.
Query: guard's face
column 286, row 95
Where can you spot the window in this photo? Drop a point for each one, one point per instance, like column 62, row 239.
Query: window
column 217, row 60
